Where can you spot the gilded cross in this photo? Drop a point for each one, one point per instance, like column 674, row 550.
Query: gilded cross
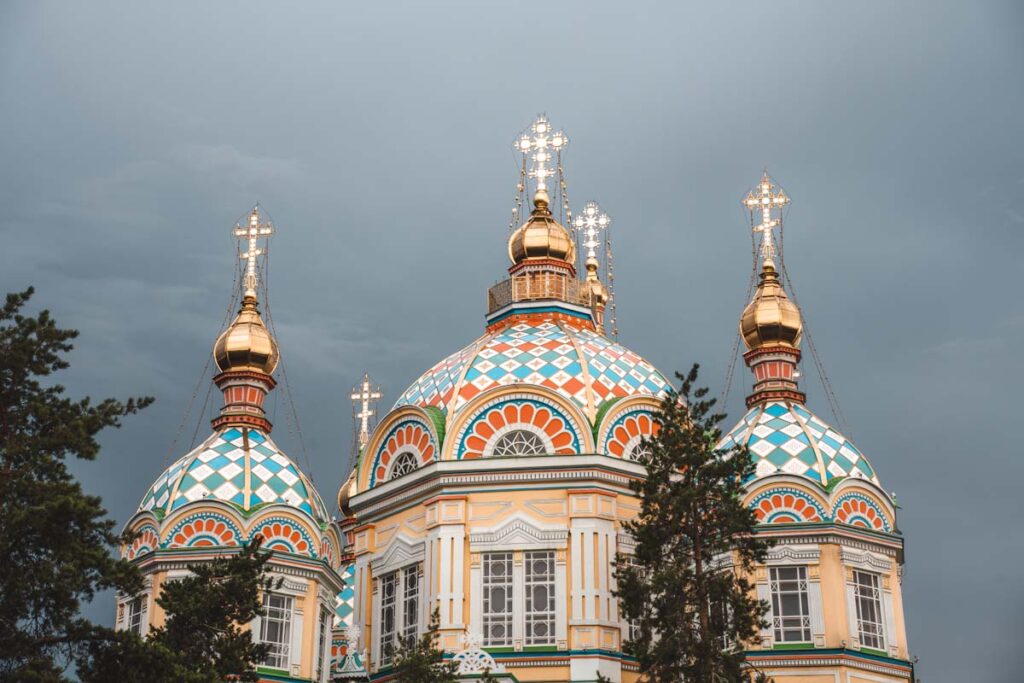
column 765, row 199
column 251, row 233
column 541, row 143
column 590, row 223
column 363, row 396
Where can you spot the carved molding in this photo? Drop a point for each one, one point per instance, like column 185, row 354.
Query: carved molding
column 519, row 533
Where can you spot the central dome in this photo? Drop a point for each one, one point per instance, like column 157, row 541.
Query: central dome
column 576, row 362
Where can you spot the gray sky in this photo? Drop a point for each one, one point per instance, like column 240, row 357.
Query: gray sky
column 378, row 137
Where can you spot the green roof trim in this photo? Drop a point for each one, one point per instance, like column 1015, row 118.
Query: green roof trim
column 437, row 418
column 601, row 412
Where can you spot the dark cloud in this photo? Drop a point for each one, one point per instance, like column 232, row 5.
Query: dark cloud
column 378, row 136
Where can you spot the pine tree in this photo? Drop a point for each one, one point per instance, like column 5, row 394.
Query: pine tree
column 203, row 639
column 207, row 610
column 422, row 661
column 685, row 589
column 55, row 540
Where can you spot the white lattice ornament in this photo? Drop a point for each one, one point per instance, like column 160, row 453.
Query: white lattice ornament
column 473, row 658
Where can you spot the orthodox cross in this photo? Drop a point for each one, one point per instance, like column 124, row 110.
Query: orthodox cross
column 251, row 233
column 363, row 396
column 766, row 199
column 589, row 223
column 539, row 143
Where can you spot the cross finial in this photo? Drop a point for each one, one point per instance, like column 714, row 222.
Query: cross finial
column 540, row 142
column 765, row 199
column 363, row 396
column 250, row 233
column 589, row 224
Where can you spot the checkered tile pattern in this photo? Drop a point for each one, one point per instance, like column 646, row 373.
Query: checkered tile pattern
column 436, row 385
column 780, row 435
column 345, row 602
column 543, row 354
column 217, row 470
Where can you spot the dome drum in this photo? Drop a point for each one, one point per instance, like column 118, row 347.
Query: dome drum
column 528, row 285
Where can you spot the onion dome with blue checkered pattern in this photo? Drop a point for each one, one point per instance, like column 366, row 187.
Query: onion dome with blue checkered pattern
column 783, row 436
column 241, row 466
column 787, row 438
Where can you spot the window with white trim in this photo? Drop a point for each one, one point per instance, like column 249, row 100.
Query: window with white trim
column 276, row 628
column 868, row 598
column 540, row 597
column 404, row 464
column 639, row 452
column 324, row 647
column 136, row 610
column 791, row 613
column 497, row 599
column 518, row 442
column 399, row 610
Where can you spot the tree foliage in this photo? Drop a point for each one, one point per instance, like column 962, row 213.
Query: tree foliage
column 202, row 640
column 686, row 588
column 422, row 661
column 55, row 540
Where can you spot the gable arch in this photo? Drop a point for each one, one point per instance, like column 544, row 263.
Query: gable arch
column 408, row 429
column 624, row 425
column 555, row 420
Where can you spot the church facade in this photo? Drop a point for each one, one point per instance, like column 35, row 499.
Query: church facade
column 493, row 495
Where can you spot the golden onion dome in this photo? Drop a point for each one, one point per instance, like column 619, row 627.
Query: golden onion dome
column 247, row 343
column 541, row 236
column 770, row 318
column 346, row 492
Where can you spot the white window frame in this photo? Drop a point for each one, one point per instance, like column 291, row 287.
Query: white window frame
column 281, row 650
column 881, row 565
column 504, row 617
column 519, row 535
column 867, row 587
column 794, row 555
column 326, row 626
column 405, row 625
column 782, row 623
column 126, row 614
column 536, row 615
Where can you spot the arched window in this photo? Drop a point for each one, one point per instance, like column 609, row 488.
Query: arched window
column 404, row 464
column 518, row 442
column 638, row 452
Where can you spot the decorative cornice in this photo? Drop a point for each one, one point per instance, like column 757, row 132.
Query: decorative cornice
column 866, row 559
column 447, row 475
column 789, row 553
column 518, row 534
column 850, row 658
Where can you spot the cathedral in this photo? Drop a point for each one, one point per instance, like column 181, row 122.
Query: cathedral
column 494, row 492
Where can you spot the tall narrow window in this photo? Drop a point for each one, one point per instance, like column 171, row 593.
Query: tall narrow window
column 388, row 616
column 399, row 610
column 410, row 604
column 540, row 597
column 791, row 614
column 323, row 652
column 497, row 599
column 136, row 608
column 276, row 629
column 869, row 610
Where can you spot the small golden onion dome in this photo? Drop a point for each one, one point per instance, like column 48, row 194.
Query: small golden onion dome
column 246, row 344
column 770, row 318
column 346, row 492
column 541, row 236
